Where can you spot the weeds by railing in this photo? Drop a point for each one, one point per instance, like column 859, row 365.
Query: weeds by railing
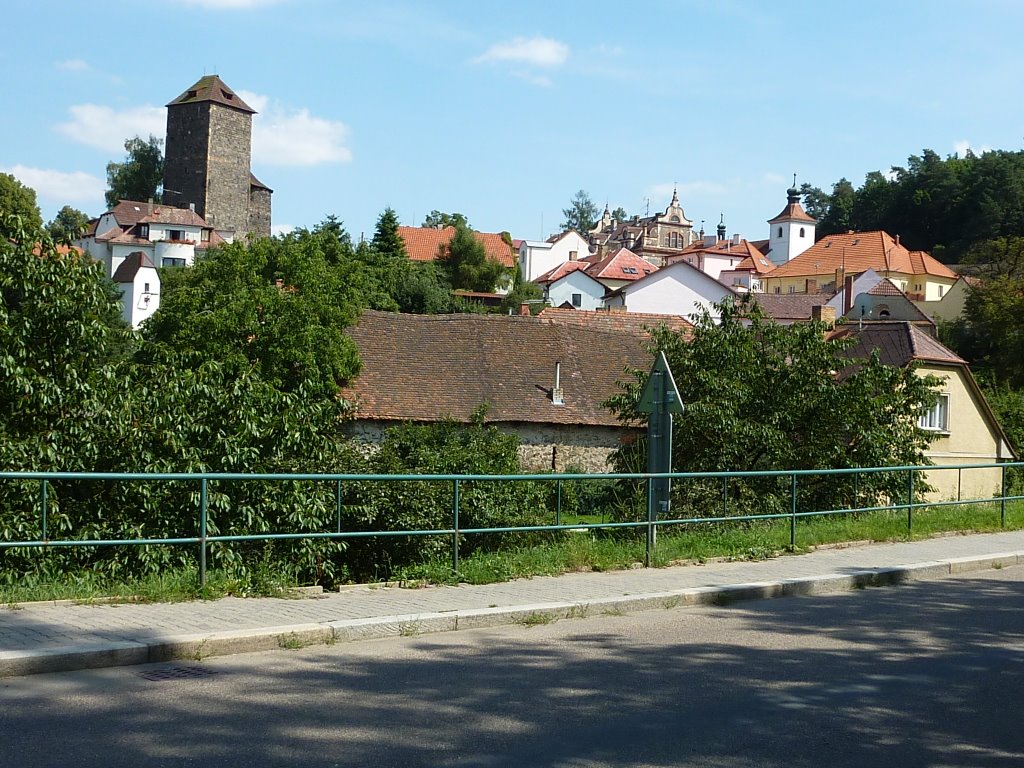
column 785, row 494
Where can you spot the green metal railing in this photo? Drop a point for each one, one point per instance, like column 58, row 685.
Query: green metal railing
column 203, row 539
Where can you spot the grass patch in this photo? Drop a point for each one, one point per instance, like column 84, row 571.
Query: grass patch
column 536, row 619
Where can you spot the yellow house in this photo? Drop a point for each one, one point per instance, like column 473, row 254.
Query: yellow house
column 832, row 259
column 964, row 427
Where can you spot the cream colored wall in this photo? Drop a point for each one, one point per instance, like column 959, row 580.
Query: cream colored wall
column 902, row 281
column 971, row 439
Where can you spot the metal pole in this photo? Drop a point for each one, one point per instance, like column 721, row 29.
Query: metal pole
column 558, row 503
column 337, row 501
column 202, row 533
column 1002, row 501
column 455, row 526
column 725, row 496
column 910, row 500
column 959, row 476
column 650, row 522
column 792, row 515
column 42, row 500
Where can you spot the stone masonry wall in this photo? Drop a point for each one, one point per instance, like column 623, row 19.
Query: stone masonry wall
column 187, row 145
column 259, row 212
column 227, row 184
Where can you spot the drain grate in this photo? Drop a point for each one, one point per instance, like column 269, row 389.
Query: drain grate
column 175, row 673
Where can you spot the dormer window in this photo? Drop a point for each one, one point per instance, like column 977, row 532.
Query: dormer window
column 144, row 230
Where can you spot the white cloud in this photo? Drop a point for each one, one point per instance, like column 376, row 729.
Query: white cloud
column 538, row 51
column 107, row 129
column 58, row 186
column 963, row 146
column 72, row 65
column 286, row 136
column 282, row 229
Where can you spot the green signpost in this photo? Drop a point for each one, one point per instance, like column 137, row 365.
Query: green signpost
column 659, row 400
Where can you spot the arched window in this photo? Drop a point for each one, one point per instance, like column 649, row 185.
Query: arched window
column 780, row 231
column 801, row 231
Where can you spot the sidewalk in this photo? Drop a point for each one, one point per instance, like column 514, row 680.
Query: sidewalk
column 45, row 637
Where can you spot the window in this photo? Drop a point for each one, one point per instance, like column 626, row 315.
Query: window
column 573, row 255
column 778, row 289
column 169, row 262
column 801, row 231
column 577, row 299
column 144, row 230
column 205, row 236
column 145, row 287
column 942, row 290
column 780, row 231
column 936, row 418
column 175, row 234
column 792, row 289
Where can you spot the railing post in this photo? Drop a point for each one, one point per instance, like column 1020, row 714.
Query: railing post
column 792, row 514
column 202, row 533
column 1002, row 501
column 649, row 548
column 910, row 500
column 725, row 496
column 558, row 502
column 959, row 478
column 455, row 526
column 43, row 505
column 337, row 502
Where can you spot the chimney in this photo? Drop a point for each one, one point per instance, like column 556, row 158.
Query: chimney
column 840, row 278
column 848, row 294
column 556, row 391
column 736, row 239
column 149, row 206
column 811, row 286
column 823, row 313
column 709, row 241
column 524, row 309
column 192, row 207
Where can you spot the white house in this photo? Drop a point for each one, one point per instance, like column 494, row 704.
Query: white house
column 678, row 289
column 571, row 285
column 537, row 257
column 139, row 282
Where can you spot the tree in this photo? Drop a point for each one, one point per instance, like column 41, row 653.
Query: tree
column 767, row 397
column 990, row 332
column 140, row 176
column 439, row 220
column 620, row 215
column 467, row 264
column 386, row 240
column 581, row 215
column 69, row 224
column 18, row 200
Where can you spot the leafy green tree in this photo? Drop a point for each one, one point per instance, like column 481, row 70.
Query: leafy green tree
column 990, row 332
column 582, row 214
column 766, row 396
column 523, row 292
column 467, row 264
column 423, row 289
column 277, row 306
column 620, row 215
column 386, row 240
column 439, row 220
column 18, row 200
column 69, row 224
column 140, row 176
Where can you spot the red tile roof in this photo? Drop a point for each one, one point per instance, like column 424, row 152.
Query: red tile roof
column 128, row 213
column 561, row 271
column 212, row 88
column 432, row 367
column 626, row 322
column 794, row 211
column 129, row 268
column 423, row 244
column 857, row 252
column 621, row 265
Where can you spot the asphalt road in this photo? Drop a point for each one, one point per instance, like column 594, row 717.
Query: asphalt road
column 927, row 674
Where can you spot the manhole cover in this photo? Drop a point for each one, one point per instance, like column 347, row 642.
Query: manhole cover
column 175, row 673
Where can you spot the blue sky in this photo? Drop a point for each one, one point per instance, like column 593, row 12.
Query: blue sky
column 502, row 111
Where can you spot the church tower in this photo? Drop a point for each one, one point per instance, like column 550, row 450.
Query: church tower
column 207, row 159
column 792, row 231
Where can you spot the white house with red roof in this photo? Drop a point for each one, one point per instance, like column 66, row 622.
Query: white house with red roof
column 722, row 256
column 146, row 236
column 536, row 257
column 678, row 289
column 571, row 285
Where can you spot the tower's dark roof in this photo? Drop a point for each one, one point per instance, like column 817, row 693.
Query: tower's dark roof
column 212, row 88
column 254, row 182
column 130, row 267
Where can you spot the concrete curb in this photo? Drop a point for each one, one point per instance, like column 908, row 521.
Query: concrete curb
column 289, row 637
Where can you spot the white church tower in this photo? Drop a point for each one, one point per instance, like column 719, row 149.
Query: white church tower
column 792, row 231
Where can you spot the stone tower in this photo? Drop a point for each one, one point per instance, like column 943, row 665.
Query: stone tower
column 207, row 160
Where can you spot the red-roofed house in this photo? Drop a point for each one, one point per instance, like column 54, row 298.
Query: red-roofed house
column 726, row 256
column 536, row 257
column 834, row 257
column 427, row 243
